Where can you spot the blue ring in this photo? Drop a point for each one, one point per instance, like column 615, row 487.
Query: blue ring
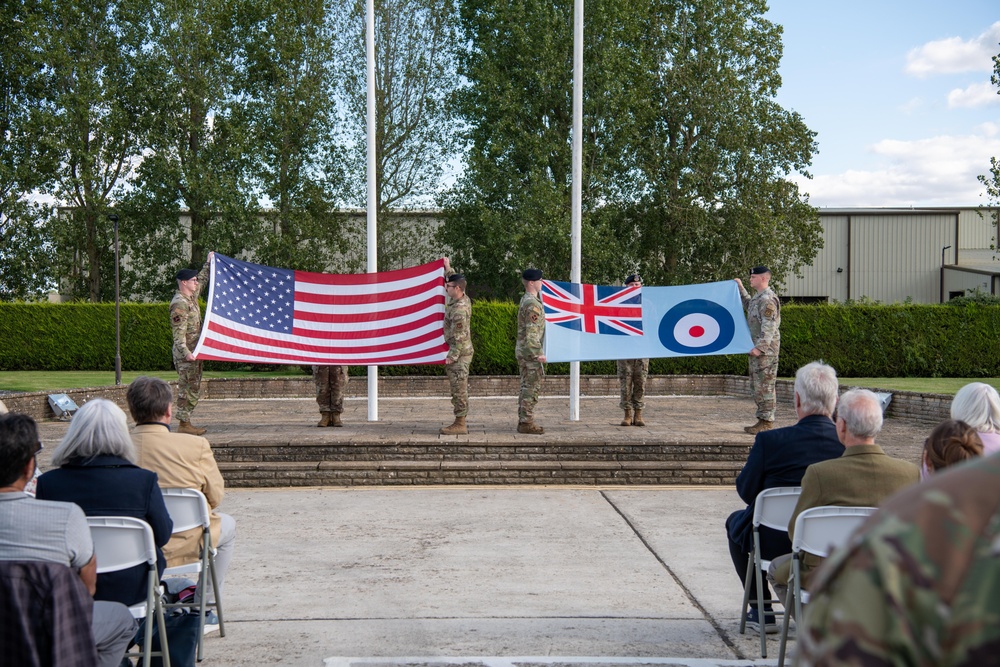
column 727, row 328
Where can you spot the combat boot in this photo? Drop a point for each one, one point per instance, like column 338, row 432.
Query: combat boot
column 627, row 421
column 190, row 429
column 761, row 425
column 335, row 419
column 324, row 419
column 637, row 420
column 530, row 427
column 457, row 428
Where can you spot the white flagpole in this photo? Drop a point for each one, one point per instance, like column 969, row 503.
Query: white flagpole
column 372, row 194
column 577, row 192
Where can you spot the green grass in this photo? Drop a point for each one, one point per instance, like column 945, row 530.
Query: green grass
column 56, row 380
column 53, row 380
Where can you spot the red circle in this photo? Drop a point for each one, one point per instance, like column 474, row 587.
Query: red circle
column 696, row 331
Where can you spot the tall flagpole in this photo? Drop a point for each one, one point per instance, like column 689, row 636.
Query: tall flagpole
column 372, row 194
column 577, row 193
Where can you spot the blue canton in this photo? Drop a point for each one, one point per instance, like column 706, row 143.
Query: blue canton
column 254, row 295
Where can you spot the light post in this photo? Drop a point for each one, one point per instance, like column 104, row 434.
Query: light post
column 942, row 271
column 118, row 328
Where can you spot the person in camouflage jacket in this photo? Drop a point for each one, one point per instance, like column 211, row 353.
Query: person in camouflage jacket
column 632, row 374
column 185, row 326
column 764, row 317
column 458, row 335
column 530, row 350
column 919, row 584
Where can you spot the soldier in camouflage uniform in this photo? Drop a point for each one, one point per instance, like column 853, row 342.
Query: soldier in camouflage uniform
column 458, row 335
column 185, row 325
column 764, row 318
column 530, row 350
column 919, row 584
column 632, row 375
column 331, row 383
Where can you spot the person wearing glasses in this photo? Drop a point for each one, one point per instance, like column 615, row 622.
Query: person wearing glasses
column 185, row 324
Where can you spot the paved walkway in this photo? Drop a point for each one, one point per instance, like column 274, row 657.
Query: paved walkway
column 341, row 576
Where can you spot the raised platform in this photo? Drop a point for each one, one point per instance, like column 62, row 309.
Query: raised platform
column 689, row 439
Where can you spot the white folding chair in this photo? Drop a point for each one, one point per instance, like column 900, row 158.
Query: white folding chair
column 121, row 542
column 818, row 531
column 772, row 508
column 189, row 509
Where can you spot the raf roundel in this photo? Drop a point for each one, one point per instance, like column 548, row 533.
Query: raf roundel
column 697, row 326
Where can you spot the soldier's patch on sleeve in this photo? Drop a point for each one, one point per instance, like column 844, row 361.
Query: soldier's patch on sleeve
column 177, row 319
column 534, row 317
column 770, row 311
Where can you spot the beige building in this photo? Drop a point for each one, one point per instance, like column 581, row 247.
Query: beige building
column 926, row 255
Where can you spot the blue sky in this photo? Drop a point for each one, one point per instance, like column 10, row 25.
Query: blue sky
column 900, row 95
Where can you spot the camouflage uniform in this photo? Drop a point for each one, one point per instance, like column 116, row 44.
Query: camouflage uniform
column 919, row 585
column 632, row 375
column 331, row 383
column 458, row 335
column 530, row 345
column 185, row 325
column 764, row 318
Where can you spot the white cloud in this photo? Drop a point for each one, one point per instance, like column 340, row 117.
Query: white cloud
column 975, row 95
column 940, row 171
column 954, row 54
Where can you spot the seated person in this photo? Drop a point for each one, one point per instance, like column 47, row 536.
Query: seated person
column 780, row 457
column 863, row 477
column 978, row 405
column 949, row 443
column 181, row 461
column 54, row 532
column 97, row 471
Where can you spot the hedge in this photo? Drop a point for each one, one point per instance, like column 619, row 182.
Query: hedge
column 859, row 340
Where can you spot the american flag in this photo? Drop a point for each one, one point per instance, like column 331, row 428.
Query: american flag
column 597, row 309
column 265, row 315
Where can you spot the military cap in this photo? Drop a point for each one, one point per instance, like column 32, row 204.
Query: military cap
column 634, row 278
column 757, row 270
column 454, row 278
column 186, row 274
column 532, row 274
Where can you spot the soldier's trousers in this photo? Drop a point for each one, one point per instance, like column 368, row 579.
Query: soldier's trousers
column 532, row 373
column 331, row 381
column 458, row 377
column 763, row 373
column 188, row 387
column 632, row 375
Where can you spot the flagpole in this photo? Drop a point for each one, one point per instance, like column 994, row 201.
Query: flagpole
column 577, row 192
column 372, row 194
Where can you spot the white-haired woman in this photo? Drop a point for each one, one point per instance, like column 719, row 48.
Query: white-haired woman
column 978, row 405
column 96, row 471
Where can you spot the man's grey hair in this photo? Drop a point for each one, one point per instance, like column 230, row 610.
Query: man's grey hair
column 817, row 386
column 978, row 405
column 98, row 427
column 862, row 413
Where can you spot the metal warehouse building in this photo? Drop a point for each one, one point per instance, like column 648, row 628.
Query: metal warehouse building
column 927, row 255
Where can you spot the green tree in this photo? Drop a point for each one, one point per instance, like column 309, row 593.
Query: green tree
column 992, row 180
column 414, row 137
column 686, row 154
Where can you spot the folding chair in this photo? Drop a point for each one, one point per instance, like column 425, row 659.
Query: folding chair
column 772, row 508
column 818, row 531
column 189, row 509
column 121, row 542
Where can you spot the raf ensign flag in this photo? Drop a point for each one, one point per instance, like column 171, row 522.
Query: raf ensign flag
column 595, row 322
column 264, row 315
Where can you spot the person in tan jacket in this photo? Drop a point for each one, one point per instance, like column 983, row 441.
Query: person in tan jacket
column 180, row 461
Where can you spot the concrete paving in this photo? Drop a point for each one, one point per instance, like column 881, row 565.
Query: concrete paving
column 488, row 575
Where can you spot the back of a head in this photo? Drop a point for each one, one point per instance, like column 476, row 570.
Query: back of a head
column 18, row 443
column 951, row 442
column 148, row 399
column 816, row 385
column 98, row 428
column 978, row 405
column 862, row 413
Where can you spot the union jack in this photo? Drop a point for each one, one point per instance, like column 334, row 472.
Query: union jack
column 597, row 309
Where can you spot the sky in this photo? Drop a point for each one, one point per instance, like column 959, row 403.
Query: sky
column 899, row 94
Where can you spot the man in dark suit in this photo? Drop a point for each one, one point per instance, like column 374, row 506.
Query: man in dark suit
column 779, row 458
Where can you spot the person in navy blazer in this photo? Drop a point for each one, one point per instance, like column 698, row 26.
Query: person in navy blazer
column 96, row 471
column 780, row 457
